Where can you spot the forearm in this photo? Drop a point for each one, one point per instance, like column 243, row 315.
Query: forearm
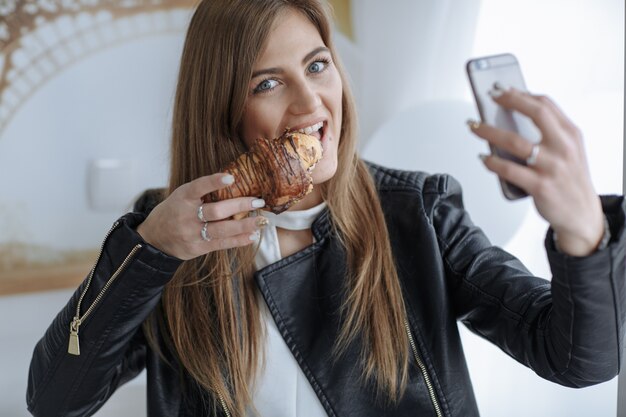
column 568, row 330
column 588, row 312
column 66, row 384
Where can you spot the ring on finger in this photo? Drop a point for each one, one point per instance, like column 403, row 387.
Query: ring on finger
column 532, row 158
column 200, row 215
column 203, row 232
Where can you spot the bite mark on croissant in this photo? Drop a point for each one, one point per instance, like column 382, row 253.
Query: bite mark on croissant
column 277, row 170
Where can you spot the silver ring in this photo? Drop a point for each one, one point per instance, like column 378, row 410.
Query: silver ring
column 532, row 159
column 201, row 215
column 204, row 234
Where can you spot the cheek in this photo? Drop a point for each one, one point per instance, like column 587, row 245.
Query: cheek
column 260, row 119
column 337, row 105
column 251, row 127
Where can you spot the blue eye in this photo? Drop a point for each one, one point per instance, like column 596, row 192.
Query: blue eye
column 265, row 85
column 317, row 66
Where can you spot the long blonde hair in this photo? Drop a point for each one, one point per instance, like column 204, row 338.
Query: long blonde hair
column 209, row 309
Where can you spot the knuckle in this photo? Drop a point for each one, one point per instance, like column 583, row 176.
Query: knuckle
column 251, row 224
column 213, row 211
column 542, row 189
column 552, row 166
column 544, row 99
column 542, row 114
column 520, row 147
column 576, row 132
column 501, row 140
column 223, row 244
column 239, row 226
column 215, row 231
column 505, row 170
column 497, row 135
column 569, row 152
column 534, row 189
column 556, row 168
column 219, row 230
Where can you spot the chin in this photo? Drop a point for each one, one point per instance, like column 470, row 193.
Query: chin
column 323, row 172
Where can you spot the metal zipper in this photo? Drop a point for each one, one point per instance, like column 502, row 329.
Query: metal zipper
column 223, row 403
column 429, row 385
column 74, row 346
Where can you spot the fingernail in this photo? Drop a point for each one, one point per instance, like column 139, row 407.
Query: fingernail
column 228, row 179
column 255, row 236
column 258, row 203
column 473, row 124
column 262, row 222
column 498, row 89
column 495, row 93
column 482, row 156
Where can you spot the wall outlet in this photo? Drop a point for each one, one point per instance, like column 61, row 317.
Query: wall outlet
column 111, row 184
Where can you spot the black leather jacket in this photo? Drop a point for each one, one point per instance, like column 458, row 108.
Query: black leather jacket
column 568, row 331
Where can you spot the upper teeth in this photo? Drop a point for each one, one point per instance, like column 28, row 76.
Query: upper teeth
column 311, row 129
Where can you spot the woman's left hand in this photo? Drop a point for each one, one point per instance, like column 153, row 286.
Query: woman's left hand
column 559, row 180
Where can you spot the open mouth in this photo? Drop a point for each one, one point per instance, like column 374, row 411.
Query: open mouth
column 317, row 130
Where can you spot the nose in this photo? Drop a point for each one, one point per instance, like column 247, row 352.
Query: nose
column 306, row 98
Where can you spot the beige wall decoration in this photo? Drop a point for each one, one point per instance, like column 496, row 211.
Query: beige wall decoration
column 343, row 16
column 34, row 47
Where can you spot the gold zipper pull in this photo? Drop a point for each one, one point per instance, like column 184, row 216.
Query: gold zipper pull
column 74, row 347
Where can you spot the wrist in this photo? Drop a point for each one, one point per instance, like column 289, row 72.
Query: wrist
column 583, row 244
column 141, row 231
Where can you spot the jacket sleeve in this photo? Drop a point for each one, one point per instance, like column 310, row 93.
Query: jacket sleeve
column 126, row 285
column 568, row 330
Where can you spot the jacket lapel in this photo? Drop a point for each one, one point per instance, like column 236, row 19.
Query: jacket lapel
column 304, row 293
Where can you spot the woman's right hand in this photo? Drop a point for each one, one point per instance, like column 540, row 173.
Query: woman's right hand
column 174, row 226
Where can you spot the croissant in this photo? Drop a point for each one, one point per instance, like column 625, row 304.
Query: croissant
column 277, row 170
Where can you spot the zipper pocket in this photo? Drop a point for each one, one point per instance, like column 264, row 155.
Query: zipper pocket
column 420, row 364
column 74, row 345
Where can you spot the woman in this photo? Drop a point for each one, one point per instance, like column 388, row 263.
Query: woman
column 348, row 307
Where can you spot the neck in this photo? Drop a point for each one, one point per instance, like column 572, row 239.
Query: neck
column 310, row 200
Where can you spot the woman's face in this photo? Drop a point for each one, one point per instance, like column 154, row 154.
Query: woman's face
column 295, row 86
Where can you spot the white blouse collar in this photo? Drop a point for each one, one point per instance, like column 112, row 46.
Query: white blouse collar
column 269, row 248
column 294, row 219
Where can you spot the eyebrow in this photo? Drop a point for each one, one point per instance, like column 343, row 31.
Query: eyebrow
column 276, row 70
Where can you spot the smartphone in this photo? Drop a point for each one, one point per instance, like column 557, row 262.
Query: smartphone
column 483, row 73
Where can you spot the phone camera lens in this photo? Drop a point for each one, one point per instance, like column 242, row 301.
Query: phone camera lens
column 482, row 64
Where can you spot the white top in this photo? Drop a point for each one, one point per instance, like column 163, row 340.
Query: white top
column 282, row 390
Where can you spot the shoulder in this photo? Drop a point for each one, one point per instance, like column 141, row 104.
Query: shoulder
column 148, row 200
column 390, row 179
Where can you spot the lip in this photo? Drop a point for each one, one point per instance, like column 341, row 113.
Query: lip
column 307, row 124
column 325, row 131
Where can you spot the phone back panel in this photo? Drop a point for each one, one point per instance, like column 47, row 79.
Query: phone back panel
column 483, row 73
